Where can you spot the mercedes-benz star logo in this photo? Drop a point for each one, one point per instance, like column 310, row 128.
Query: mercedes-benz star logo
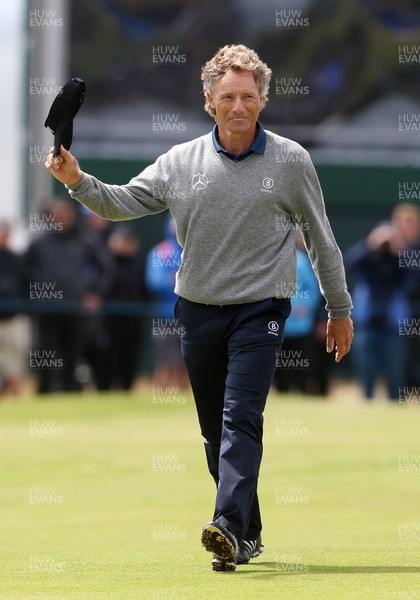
column 199, row 181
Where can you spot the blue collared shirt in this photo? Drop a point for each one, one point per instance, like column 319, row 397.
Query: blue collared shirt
column 258, row 145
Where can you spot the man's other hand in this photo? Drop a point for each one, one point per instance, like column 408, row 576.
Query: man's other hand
column 339, row 336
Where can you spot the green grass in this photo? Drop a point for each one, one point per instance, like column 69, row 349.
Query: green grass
column 339, row 489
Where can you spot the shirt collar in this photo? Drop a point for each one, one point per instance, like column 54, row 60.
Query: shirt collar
column 257, row 146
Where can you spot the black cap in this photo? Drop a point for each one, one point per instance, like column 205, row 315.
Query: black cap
column 62, row 112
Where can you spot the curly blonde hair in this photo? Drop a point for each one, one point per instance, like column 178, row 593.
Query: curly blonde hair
column 240, row 58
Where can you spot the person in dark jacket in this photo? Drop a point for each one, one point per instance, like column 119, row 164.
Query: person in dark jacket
column 406, row 218
column 67, row 275
column 123, row 322
column 380, row 305
column 13, row 326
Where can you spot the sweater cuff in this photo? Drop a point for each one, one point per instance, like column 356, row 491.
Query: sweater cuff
column 339, row 313
column 79, row 187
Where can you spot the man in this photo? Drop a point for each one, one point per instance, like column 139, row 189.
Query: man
column 235, row 206
column 14, row 327
column 80, row 273
column 380, row 305
column 406, row 219
column 123, row 328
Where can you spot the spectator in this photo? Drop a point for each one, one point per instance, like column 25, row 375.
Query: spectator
column 406, row 218
column 162, row 264
column 380, row 303
column 59, row 269
column 123, row 323
column 13, row 327
column 96, row 338
column 294, row 364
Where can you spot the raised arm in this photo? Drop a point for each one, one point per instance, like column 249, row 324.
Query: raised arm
column 138, row 198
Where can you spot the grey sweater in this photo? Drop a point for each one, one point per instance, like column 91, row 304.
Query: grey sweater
column 235, row 220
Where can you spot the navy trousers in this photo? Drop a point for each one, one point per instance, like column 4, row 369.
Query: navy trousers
column 230, row 354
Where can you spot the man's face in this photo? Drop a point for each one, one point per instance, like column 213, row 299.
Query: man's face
column 236, row 100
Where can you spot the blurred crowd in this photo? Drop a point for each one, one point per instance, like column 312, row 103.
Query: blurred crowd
column 79, row 306
column 82, row 308
column 385, row 270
